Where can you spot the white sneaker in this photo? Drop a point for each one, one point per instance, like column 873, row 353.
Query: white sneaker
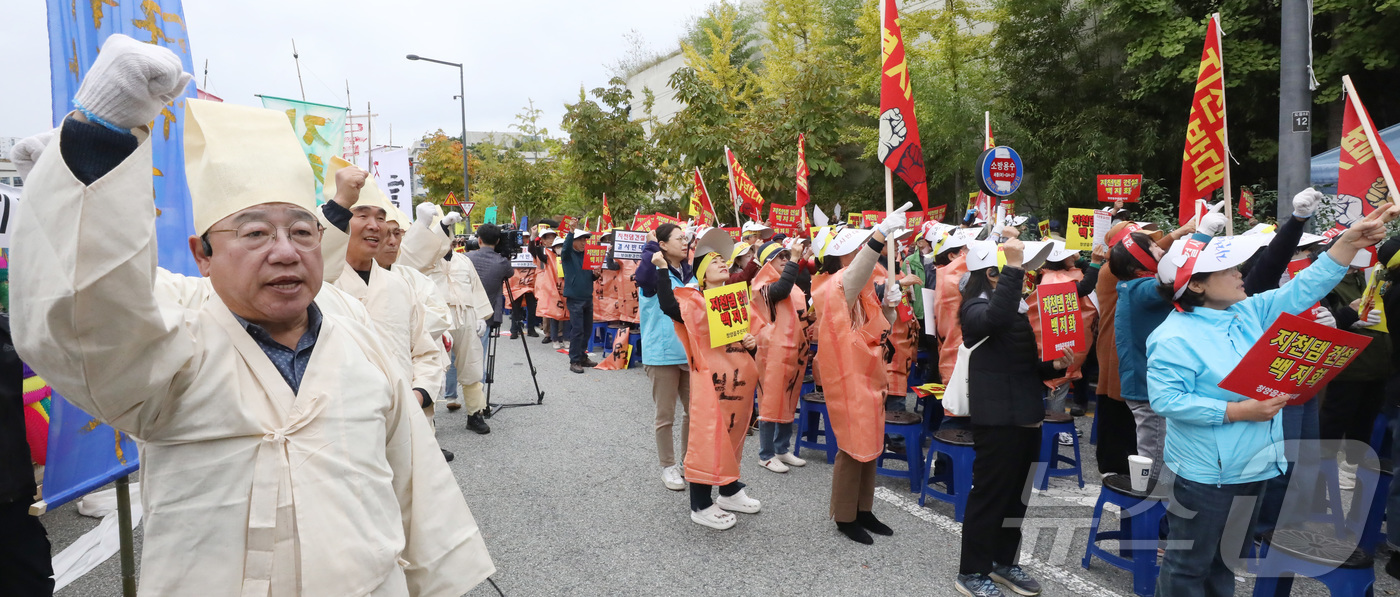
column 558, row 346
column 1066, row 439
column 713, row 517
column 1346, row 476
column 739, row 502
column 791, row 459
column 773, row 464
column 671, row 476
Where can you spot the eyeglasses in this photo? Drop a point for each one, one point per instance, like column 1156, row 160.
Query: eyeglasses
column 257, row 235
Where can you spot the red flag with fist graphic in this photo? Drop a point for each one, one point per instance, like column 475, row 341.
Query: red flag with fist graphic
column 899, row 132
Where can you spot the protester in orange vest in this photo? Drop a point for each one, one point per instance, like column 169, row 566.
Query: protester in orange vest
column 721, row 388
column 779, row 322
column 853, row 335
column 946, row 301
column 548, row 281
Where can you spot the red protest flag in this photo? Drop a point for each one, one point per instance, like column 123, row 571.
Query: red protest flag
column 700, row 201
column 899, row 147
column 743, row 190
column 607, row 215
column 1246, row 202
column 1362, row 180
column 1294, row 358
column 1203, row 162
column 802, row 172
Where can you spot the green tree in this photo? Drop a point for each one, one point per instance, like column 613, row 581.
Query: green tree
column 608, row 152
column 440, row 165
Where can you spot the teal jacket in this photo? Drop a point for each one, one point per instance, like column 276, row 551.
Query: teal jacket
column 1188, row 356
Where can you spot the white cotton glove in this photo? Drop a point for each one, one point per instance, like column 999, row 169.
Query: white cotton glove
column 1212, row 224
column 1305, row 203
column 424, row 213
column 1324, row 316
column 452, row 219
column 130, row 82
column 1372, row 318
column 894, row 221
column 481, row 328
column 893, row 295
column 26, row 153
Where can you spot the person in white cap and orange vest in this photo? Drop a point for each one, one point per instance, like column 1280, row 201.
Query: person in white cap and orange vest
column 779, row 322
column 1221, row 445
column 255, row 450
column 852, row 332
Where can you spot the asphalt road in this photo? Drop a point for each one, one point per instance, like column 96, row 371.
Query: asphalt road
column 569, row 497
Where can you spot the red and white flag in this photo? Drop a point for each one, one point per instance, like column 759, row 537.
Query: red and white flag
column 1203, row 163
column 899, row 147
column 1362, row 183
column 802, row 172
column 607, row 215
column 743, row 190
column 700, row 206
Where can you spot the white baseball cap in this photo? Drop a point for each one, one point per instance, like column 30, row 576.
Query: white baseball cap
column 1221, row 253
column 843, row 242
column 984, row 253
column 763, row 230
column 1036, row 253
column 578, row 234
column 949, row 243
column 1059, row 252
column 546, row 230
column 558, row 240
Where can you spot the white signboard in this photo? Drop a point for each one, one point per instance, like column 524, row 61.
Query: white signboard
column 628, row 244
column 523, row 260
column 391, row 171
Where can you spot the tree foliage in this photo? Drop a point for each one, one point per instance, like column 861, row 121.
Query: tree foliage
column 608, row 151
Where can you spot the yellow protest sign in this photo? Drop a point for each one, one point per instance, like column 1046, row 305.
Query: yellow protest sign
column 727, row 310
column 1044, row 226
column 559, row 267
column 1079, row 233
column 1371, row 299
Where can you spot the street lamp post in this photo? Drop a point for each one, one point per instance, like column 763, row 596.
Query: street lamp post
column 461, row 72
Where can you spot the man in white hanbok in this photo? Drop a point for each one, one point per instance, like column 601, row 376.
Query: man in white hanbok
column 282, row 449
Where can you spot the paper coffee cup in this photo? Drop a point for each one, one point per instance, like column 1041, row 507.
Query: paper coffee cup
column 1140, row 467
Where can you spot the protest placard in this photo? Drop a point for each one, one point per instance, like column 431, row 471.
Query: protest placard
column 1120, row 187
column 853, row 219
column 727, row 311
column 1060, row 323
column 1044, row 226
column 628, row 244
column 869, row 218
column 733, row 232
column 1294, row 358
column 1103, row 220
column 936, row 214
column 523, row 260
column 785, row 219
column 593, row 256
column 1376, row 285
column 1079, row 233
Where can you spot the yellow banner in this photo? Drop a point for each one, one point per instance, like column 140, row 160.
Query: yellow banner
column 1079, row 233
column 727, row 310
column 1371, row 299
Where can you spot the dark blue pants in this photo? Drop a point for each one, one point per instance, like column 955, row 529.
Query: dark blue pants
column 581, row 326
column 1207, row 524
column 1300, row 431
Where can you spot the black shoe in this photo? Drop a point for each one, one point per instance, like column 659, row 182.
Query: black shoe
column 447, row 455
column 532, row 333
column 868, row 521
column 576, row 367
column 478, row 424
column 854, row 532
column 895, row 447
column 515, row 332
column 1077, row 411
column 587, row 362
column 545, row 341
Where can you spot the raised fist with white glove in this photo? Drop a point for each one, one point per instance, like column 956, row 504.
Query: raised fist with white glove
column 1324, row 316
column 1212, row 224
column 481, row 328
column 129, row 83
column 1372, row 318
column 425, row 212
column 1305, row 203
column 26, row 153
column 893, row 222
column 451, row 219
column 893, row 295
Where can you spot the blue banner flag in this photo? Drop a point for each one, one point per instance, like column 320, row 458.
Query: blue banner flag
column 84, row 454
column 320, row 128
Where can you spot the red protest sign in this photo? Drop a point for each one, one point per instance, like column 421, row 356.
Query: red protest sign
column 1060, row 323
column 869, row 218
column 733, row 232
column 647, row 223
column 566, row 225
column 785, row 219
column 1332, row 233
column 935, row 214
column 1294, row 358
column 1120, row 187
column 593, row 256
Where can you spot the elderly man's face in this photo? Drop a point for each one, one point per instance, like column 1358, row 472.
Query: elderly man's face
column 266, row 262
column 389, row 246
column 367, row 225
column 580, row 244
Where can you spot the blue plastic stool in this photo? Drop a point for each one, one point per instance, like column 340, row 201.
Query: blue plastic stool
column 1094, row 431
column 910, row 426
column 1375, row 475
column 1048, row 464
column 636, row 341
column 1332, row 512
column 1380, row 433
column 1343, row 569
column 810, row 414
column 957, row 445
column 1139, row 523
column 598, row 337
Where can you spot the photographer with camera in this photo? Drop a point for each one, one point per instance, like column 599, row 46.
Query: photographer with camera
column 494, row 269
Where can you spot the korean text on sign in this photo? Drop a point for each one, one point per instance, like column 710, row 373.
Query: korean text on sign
column 1060, row 323
column 1295, row 358
column 593, row 256
column 727, row 309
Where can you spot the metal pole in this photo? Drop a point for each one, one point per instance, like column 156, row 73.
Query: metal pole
column 466, row 187
column 1294, row 104
column 128, row 548
column 297, row 59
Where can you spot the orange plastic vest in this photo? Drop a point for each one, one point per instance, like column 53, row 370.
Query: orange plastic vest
column 625, row 289
column 783, row 349
column 547, row 291
column 853, row 343
column 904, row 336
column 1087, row 313
column 604, row 299
column 722, row 382
column 618, row 359
column 947, row 301
column 522, row 282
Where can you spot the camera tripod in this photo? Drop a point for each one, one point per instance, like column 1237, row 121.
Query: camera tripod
column 493, row 336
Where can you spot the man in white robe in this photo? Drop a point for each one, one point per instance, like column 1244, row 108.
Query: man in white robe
column 282, row 450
